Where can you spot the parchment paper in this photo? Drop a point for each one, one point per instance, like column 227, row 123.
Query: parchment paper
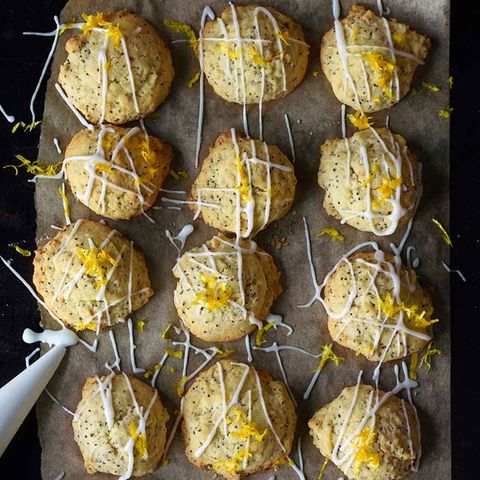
column 314, row 114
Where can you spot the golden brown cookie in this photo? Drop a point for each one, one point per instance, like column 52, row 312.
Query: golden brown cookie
column 237, row 421
column 268, row 62
column 120, row 426
column 116, row 172
column 371, row 180
column 377, row 308
column 224, row 291
column 117, row 68
column 244, row 185
column 384, row 445
column 91, row 276
column 370, row 61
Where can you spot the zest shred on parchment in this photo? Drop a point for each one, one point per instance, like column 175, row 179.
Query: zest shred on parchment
column 23, row 251
column 193, row 80
column 181, row 385
column 450, row 82
column 261, row 331
column 328, row 354
column 430, row 86
column 139, row 439
column 184, row 28
column 413, row 366
column 174, row 353
column 360, row 120
column 98, row 21
column 221, row 352
column 34, row 168
column 445, row 113
column 427, row 356
column 322, row 470
column 216, row 295
column 363, row 450
column 27, row 127
column 179, row 174
column 234, row 464
column 96, row 262
column 445, row 235
column 65, row 203
column 385, row 71
column 166, row 332
column 140, row 325
column 420, row 319
column 333, row 233
column 151, row 371
column 165, row 462
column 247, row 427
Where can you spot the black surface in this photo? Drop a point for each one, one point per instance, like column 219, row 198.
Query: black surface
column 21, row 60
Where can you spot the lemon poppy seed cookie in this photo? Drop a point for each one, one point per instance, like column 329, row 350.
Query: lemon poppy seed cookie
column 244, row 185
column 237, row 421
column 91, row 276
column 371, row 180
column 224, row 289
column 117, row 172
column 376, row 307
column 368, row 434
column 253, row 54
column 117, row 68
column 120, row 426
column 370, row 61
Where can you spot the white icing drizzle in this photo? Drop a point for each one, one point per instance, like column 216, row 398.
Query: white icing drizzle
column 248, row 349
column 161, row 363
column 57, row 146
column 65, row 206
column 133, row 364
column 54, row 400
column 9, row 118
column 60, row 476
column 290, row 137
column 29, row 357
column 458, row 272
column 72, row 107
column 179, row 240
column 314, row 379
column 64, row 337
column 117, row 362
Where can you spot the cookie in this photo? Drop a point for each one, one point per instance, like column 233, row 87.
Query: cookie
column 243, row 186
column 376, row 307
column 371, row 180
column 370, row 61
column 116, row 172
column 120, row 426
column 268, row 61
column 224, row 290
column 117, row 68
column 91, row 276
column 237, row 421
column 367, row 445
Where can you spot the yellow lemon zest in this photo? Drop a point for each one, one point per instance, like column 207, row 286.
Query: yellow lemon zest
column 151, row 371
column 221, row 352
column 114, row 32
column 107, row 141
column 399, row 38
column 366, row 351
column 316, row 73
column 165, row 462
column 384, row 69
column 96, row 262
column 174, row 353
column 427, row 356
column 261, row 331
column 283, row 36
column 412, row 372
column 257, row 58
column 65, row 202
column 184, row 28
column 179, row 174
column 229, row 49
column 23, row 251
column 34, row 168
column 244, row 187
column 27, row 127
column 65, row 27
column 193, row 80
column 364, row 452
column 333, row 233
column 247, row 427
column 450, row 82
column 98, row 21
column 216, row 295
column 103, row 167
column 354, row 33
column 386, row 190
column 328, row 354
column 172, row 369
column 360, row 120
column 139, row 439
column 166, row 332
column 234, row 464
column 181, row 385
column 430, row 86
column 370, row 178
column 445, row 113
column 85, row 326
column 376, row 99
column 445, row 235
column 322, row 470
column 140, row 325
column 278, row 463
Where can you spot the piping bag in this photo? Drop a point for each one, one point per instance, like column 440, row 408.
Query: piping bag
column 19, row 395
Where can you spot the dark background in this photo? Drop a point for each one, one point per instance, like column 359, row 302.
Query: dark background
column 21, row 60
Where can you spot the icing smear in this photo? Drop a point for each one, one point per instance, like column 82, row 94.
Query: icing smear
column 64, row 337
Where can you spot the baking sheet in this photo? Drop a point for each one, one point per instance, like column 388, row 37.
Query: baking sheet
column 314, row 115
